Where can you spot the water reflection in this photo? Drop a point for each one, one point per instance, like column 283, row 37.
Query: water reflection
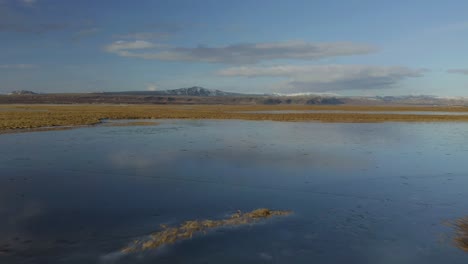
column 354, row 112
column 375, row 193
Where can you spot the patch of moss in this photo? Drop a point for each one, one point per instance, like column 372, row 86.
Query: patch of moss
column 170, row 235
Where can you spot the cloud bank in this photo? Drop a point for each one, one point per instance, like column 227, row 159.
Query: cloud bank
column 458, row 71
column 248, row 53
column 122, row 47
column 17, row 66
column 323, row 78
column 145, row 35
column 31, row 28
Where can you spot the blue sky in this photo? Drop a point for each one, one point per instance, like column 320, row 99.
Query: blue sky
column 345, row 47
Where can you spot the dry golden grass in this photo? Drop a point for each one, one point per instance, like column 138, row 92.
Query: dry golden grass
column 170, row 235
column 15, row 118
column 461, row 237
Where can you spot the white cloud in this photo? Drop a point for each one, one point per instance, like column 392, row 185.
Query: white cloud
column 122, row 47
column 322, row 78
column 151, row 87
column 145, row 35
column 160, row 31
column 239, row 53
column 458, row 71
column 17, row 66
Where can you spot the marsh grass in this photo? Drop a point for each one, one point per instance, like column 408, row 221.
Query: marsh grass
column 170, row 235
column 461, row 236
column 14, row 118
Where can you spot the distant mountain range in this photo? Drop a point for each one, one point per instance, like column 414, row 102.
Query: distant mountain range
column 421, row 100
column 200, row 95
column 192, row 91
column 21, row 92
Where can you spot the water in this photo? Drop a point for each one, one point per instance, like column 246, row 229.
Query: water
column 355, row 112
column 361, row 193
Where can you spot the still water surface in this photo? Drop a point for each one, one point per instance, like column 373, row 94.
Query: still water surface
column 356, row 112
column 361, row 193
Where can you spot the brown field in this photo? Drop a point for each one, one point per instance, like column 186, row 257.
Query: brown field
column 20, row 118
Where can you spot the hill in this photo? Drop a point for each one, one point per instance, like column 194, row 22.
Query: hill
column 22, row 92
column 192, row 91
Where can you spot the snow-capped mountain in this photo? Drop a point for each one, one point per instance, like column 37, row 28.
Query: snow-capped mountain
column 195, row 91
column 22, row 92
column 192, row 91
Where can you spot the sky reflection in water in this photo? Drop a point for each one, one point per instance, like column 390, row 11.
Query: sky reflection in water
column 361, row 193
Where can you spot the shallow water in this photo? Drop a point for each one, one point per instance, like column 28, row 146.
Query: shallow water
column 355, row 112
column 361, row 193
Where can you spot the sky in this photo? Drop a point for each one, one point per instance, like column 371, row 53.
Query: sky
column 346, row 47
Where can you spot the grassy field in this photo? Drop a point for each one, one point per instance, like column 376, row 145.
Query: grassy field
column 17, row 118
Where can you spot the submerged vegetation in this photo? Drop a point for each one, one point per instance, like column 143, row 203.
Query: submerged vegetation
column 25, row 117
column 170, row 235
column 461, row 237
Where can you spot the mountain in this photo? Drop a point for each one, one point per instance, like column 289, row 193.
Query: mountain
column 422, row 100
column 22, row 92
column 197, row 91
column 200, row 95
column 192, row 91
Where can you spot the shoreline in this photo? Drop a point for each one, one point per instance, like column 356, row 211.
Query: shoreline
column 32, row 118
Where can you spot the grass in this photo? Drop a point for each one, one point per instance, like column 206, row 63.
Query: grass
column 14, row 118
column 461, row 237
column 170, row 235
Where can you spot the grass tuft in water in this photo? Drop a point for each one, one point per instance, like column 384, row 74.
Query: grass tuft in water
column 461, row 237
column 170, row 235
